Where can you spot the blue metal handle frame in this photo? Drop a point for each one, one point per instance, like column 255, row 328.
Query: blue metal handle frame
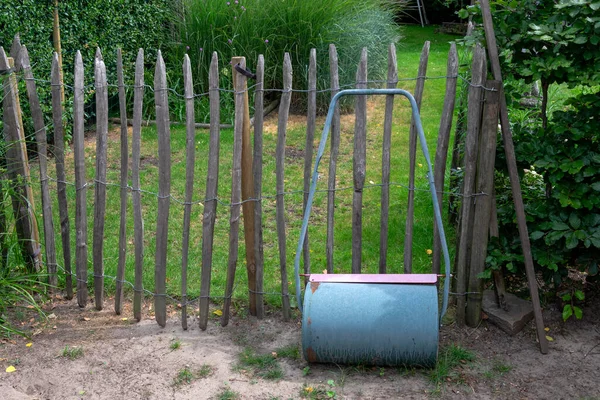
column 313, row 185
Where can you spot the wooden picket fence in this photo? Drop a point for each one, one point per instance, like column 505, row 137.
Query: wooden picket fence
column 246, row 176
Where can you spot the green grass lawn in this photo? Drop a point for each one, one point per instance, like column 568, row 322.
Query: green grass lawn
column 408, row 58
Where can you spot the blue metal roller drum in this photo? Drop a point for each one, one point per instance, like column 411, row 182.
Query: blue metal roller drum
column 387, row 324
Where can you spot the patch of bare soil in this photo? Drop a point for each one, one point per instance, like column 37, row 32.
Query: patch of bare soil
column 124, row 359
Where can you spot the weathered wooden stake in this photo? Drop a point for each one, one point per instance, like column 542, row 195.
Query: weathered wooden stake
column 392, row 82
column 138, row 222
column 284, row 109
column 164, row 189
column 100, row 184
column 124, row 181
column 247, row 186
column 81, row 250
column 479, row 70
column 486, row 158
column 40, row 135
column 441, row 152
column 410, row 210
column 236, row 196
column 511, row 162
column 359, row 163
column 61, row 185
column 257, row 171
column 335, row 145
column 190, row 157
column 311, row 118
column 210, row 205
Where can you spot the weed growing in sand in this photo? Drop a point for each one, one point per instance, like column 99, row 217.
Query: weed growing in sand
column 448, row 365
column 319, row 392
column 175, row 344
column 228, row 394
column 72, row 353
column 261, row 365
column 291, row 351
column 186, row 375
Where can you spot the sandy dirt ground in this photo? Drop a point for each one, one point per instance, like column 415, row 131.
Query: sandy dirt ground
column 123, row 359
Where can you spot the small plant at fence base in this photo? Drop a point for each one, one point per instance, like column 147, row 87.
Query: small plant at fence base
column 187, row 375
column 72, row 353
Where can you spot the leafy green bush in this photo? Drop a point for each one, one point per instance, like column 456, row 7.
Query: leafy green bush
column 272, row 27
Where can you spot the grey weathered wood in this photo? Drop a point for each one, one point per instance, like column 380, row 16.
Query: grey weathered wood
column 40, row 135
column 152, row 122
column 284, row 109
column 335, row 145
column 478, row 72
column 410, row 209
column 124, row 181
column 81, row 249
column 359, row 167
column 138, row 222
column 441, row 151
column 236, row 197
column 482, row 209
column 498, row 275
column 509, row 150
column 100, row 183
column 247, row 187
column 15, row 49
column 210, row 205
column 61, row 185
column 17, row 164
column 190, row 158
column 392, row 82
column 164, row 189
column 257, row 171
column 311, row 117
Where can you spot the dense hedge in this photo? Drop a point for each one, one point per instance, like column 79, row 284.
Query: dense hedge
column 84, row 25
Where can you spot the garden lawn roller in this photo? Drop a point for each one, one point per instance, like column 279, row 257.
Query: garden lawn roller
column 370, row 319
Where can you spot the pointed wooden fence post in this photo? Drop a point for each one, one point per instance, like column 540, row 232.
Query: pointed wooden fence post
column 212, row 180
column 100, row 183
column 410, row 210
column 81, row 250
column 138, row 222
column 335, row 145
column 359, row 163
column 61, row 184
column 190, row 158
column 41, row 139
column 392, row 82
column 441, row 152
column 164, row 190
column 124, row 189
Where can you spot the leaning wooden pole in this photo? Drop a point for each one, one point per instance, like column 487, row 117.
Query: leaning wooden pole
column 81, row 249
column 164, row 190
column 100, row 182
column 58, row 49
column 410, row 210
column 441, row 152
column 509, row 150
column 41, row 139
column 359, row 165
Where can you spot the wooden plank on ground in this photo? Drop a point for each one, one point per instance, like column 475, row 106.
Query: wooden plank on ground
column 392, row 82
column 164, row 189
column 138, row 221
column 124, row 189
column 410, row 209
column 210, row 204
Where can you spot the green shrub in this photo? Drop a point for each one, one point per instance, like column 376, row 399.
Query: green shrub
column 272, row 27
